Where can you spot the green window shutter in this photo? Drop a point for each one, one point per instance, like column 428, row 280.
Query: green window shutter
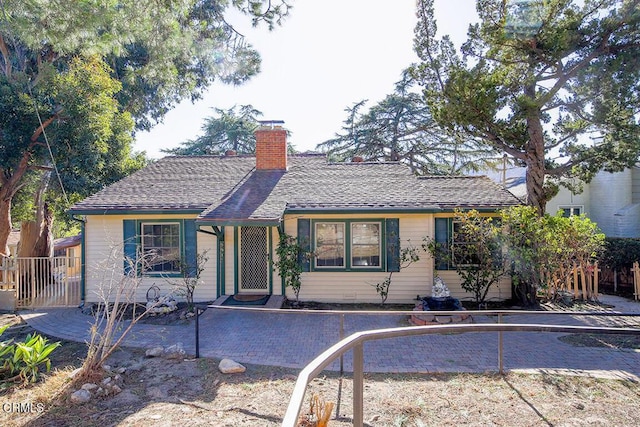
column 443, row 239
column 304, row 241
column 130, row 239
column 190, row 247
column 392, row 237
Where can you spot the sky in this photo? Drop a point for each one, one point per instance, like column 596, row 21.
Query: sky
column 327, row 55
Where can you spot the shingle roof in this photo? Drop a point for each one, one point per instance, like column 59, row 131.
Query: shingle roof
column 229, row 189
column 67, row 242
column 172, row 183
column 478, row 192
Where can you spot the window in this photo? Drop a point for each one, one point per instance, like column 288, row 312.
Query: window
column 365, row 244
column 463, row 250
column 348, row 245
column 161, row 247
column 455, row 249
column 568, row 211
column 330, row 248
column 71, row 253
column 163, row 243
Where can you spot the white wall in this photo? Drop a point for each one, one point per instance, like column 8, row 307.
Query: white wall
column 610, row 192
column 104, row 261
column 611, row 200
column 565, row 198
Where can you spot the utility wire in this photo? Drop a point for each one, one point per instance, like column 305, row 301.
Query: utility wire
column 35, row 105
column 46, row 139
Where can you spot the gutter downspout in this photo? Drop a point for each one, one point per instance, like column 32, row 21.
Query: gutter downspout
column 83, row 267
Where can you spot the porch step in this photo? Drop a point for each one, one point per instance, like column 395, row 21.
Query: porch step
column 220, row 300
column 274, row 301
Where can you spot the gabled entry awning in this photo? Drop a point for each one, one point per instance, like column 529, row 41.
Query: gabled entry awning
column 253, row 202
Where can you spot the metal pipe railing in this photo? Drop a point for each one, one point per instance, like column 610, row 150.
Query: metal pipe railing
column 356, row 342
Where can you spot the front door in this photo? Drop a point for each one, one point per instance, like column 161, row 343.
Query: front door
column 254, row 264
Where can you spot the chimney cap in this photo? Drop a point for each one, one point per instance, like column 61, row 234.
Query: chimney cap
column 272, row 124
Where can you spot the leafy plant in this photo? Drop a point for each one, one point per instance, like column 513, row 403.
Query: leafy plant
column 542, row 250
column 620, row 253
column 31, row 354
column 477, row 255
column 290, row 254
column 191, row 277
column 407, row 256
column 24, row 360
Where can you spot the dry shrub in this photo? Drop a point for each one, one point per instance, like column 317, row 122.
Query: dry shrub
column 319, row 413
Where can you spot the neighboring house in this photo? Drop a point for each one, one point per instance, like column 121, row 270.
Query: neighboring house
column 354, row 217
column 13, row 241
column 612, row 200
column 69, row 248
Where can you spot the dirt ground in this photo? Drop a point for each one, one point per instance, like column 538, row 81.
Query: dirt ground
column 166, row 392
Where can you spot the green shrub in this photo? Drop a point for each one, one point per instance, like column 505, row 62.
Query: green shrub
column 23, row 360
column 620, row 253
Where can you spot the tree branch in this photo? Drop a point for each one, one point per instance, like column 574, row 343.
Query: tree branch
column 41, row 128
column 4, row 50
column 42, row 168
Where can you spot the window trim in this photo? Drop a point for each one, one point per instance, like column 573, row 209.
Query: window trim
column 344, row 246
column 453, row 244
column 181, row 246
column 571, row 209
column 380, row 242
column 348, row 261
column 449, row 265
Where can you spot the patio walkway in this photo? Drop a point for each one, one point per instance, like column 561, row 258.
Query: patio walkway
column 293, row 340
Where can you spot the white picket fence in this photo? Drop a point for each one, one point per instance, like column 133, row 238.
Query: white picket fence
column 42, row 282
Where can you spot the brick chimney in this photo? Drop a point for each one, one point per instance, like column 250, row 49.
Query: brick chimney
column 271, row 146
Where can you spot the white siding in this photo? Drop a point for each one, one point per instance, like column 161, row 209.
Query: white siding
column 565, row 198
column 104, row 261
column 206, row 289
column 635, row 184
column 360, row 286
column 611, row 200
column 610, row 192
column 277, row 280
column 499, row 292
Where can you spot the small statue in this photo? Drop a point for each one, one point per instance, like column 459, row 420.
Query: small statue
column 439, row 289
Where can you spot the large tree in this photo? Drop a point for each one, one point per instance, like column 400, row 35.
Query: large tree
column 555, row 84
column 75, row 77
column 400, row 128
column 231, row 129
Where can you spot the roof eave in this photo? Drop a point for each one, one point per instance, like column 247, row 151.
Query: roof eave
column 358, row 210
column 239, row 222
column 135, row 211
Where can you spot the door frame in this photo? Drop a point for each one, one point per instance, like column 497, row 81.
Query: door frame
column 238, row 262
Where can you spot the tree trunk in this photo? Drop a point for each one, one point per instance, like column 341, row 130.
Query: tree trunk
column 534, row 157
column 29, row 234
column 5, row 222
column 36, row 238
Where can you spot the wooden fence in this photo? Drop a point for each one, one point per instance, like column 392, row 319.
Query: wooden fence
column 42, row 282
column 636, row 280
column 579, row 282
